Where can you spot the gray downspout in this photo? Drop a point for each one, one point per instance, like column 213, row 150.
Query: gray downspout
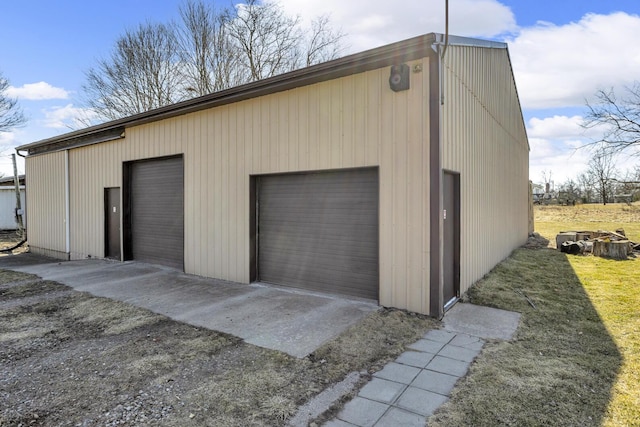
column 436, row 303
column 67, row 206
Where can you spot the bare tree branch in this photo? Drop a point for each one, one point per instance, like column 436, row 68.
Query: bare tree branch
column 619, row 119
column 140, row 74
column 208, row 50
column 11, row 115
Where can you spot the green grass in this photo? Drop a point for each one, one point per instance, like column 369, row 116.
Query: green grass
column 575, row 358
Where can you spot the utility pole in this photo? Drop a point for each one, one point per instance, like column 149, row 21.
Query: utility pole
column 16, row 181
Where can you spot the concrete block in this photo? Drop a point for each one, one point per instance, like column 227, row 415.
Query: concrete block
column 467, row 341
column 418, row 359
column 458, row 353
column 428, row 346
column 362, row 412
column 435, row 381
column 337, row 423
column 420, row 401
column 382, row 390
column 483, row 322
column 439, row 335
column 449, row 366
column 396, row 417
column 399, row 373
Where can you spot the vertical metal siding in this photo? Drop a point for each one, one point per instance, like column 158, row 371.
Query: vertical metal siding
column 484, row 139
column 46, row 204
column 355, row 121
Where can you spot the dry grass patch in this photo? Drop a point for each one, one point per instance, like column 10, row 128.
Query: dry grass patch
column 77, row 359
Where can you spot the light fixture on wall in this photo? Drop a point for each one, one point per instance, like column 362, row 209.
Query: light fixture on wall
column 399, row 77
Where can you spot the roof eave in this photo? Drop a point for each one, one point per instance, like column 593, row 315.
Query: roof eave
column 405, row 50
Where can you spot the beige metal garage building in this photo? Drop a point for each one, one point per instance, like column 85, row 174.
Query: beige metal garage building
column 392, row 174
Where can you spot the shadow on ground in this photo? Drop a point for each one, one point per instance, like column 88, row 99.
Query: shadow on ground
column 560, row 368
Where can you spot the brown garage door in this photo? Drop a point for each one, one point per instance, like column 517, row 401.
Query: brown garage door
column 319, row 231
column 157, row 212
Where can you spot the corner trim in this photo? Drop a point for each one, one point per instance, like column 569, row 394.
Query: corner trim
column 436, row 304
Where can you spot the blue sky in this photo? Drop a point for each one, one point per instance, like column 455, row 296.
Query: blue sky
column 562, row 52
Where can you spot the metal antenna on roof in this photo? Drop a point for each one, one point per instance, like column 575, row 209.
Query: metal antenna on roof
column 446, row 27
column 444, row 49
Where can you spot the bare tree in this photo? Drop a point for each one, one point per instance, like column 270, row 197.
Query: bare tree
column 619, row 119
column 208, row 59
column 206, row 51
column 140, row 74
column 266, row 38
column 324, row 43
column 587, row 190
column 11, row 115
column 602, row 173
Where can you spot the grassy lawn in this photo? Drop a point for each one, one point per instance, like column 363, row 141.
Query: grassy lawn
column 575, row 360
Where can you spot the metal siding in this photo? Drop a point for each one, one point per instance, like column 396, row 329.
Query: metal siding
column 484, row 139
column 46, row 204
column 319, row 231
column 8, row 208
column 354, row 121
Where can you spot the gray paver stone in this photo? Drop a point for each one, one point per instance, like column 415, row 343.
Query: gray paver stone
column 362, row 412
column 449, row 366
column 458, row 353
column 418, row 359
column 467, row 341
column 337, row 423
column 420, row 401
column 396, row 417
column 427, row 346
column 382, row 390
column 435, row 381
column 399, row 373
column 439, row 335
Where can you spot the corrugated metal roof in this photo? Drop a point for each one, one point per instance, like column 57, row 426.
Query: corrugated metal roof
column 405, row 50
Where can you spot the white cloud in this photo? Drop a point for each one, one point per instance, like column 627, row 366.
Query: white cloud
column 560, row 147
column 561, row 66
column 37, row 91
column 7, row 139
column 372, row 23
column 67, row 117
column 557, row 127
column 555, row 148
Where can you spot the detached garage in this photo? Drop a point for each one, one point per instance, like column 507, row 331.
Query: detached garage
column 396, row 174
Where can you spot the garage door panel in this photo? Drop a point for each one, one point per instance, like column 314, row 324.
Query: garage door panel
column 157, row 211
column 319, row 231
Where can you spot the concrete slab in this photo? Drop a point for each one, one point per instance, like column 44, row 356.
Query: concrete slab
column 458, row 353
column 381, row 390
column 338, row 423
column 427, row 346
column 287, row 320
column 396, row 417
column 362, row 412
column 467, row 341
column 483, row 322
column 399, row 373
column 323, row 401
column 449, row 366
column 435, row 382
column 439, row 335
column 418, row 359
column 420, row 401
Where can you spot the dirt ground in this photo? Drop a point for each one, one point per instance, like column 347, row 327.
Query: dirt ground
column 70, row 359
